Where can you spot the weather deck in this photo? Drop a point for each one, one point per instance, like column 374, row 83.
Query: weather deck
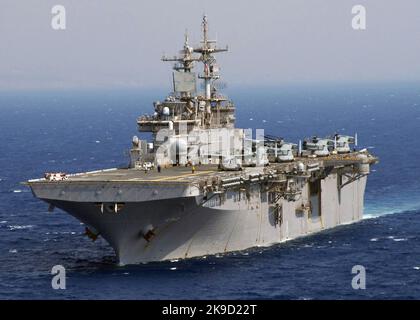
column 178, row 174
column 182, row 174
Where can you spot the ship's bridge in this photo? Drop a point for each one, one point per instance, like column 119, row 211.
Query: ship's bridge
column 191, row 112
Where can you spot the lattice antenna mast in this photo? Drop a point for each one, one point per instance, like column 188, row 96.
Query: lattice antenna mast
column 185, row 61
column 207, row 50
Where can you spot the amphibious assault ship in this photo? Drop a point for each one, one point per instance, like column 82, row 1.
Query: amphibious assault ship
column 200, row 186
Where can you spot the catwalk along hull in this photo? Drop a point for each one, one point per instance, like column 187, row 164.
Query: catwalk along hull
column 180, row 223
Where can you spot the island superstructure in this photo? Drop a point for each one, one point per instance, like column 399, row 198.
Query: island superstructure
column 200, row 186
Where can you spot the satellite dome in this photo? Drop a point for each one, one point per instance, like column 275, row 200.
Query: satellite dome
column 165, row 111
column 136, row 141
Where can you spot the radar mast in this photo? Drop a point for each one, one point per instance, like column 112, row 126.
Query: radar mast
column 207, row 49
column 185, row 62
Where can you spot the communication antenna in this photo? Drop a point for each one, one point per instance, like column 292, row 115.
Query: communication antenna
column 207, row 49
column 300, row 148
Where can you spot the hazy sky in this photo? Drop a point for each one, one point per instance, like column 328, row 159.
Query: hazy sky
column 118, row 43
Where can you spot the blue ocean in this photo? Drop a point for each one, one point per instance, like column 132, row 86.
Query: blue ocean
column 74, row 131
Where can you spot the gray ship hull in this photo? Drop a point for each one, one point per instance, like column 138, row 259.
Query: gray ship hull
column 180, row 227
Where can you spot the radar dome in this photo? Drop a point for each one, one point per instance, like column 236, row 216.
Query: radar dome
column 165, row 111
column 136, row 141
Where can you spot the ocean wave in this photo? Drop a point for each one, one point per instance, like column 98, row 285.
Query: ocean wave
column 400, row 239
column 374, row 213
column 389, row 238
column 19, row 227
column 19, row 190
